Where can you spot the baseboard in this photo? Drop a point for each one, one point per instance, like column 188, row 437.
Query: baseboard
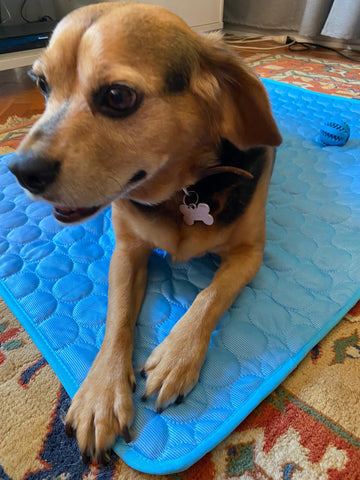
column 209, row 27
column 280, row 37
column 19, row 59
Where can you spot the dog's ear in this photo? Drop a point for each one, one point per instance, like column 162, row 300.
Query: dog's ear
column 230, row 87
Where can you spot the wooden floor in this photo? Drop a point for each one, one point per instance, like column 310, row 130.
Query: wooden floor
column 18, row 96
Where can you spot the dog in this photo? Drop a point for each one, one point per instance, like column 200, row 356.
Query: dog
column 177, row 134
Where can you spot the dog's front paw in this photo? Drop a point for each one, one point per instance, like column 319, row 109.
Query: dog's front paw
column 173, row 368
column 102, row 409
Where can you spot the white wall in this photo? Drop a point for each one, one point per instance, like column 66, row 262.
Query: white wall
column 194, row 12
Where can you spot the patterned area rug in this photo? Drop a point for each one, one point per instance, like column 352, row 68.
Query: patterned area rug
column 342, row 79
column 308, row 429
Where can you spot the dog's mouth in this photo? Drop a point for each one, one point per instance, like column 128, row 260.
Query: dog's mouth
column 65, row 214
column 71, row 215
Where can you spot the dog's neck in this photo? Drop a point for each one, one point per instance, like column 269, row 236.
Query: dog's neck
column 233, row 168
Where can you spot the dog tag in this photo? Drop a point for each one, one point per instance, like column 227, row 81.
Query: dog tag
column 194, row 212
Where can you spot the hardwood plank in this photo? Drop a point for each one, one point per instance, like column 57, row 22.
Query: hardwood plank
column 18, row 95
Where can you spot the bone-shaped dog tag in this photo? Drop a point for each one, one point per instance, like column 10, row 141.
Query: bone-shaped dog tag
column 193, row 213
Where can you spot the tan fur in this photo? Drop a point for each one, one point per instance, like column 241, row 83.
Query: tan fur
column 173, row 137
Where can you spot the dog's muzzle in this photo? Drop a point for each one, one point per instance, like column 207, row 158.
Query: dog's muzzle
column 33, row 172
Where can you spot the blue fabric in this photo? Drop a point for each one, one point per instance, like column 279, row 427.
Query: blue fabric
column 54, row 279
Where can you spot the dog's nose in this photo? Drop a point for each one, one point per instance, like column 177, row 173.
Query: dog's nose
column 33, row 172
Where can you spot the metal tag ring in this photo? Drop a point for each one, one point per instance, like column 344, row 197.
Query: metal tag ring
column 190, row 198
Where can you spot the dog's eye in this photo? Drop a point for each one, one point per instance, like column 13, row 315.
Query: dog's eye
column 121, row 98
column 43, row 86
column 41, row 82
column 117, row 100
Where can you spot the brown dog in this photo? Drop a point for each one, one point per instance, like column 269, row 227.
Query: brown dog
column 139, row 110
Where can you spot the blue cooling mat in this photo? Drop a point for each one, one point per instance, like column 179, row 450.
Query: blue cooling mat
column 55, row 281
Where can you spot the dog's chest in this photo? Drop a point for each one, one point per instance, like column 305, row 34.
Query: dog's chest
column 169, row 232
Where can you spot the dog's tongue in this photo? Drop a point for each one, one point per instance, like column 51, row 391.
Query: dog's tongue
column 70, row 215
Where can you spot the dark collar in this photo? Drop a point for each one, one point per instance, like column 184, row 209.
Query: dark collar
column 235, row 167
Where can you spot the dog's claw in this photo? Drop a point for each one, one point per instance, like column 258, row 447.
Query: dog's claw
column 70, row 432
column 85, row 459
column 126, row 434
column 104, row 459
column 99, row 420
column 143, row 373
column 172, row 371
column 144, row 398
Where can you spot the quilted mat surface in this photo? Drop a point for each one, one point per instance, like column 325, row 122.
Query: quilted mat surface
column 54, row 278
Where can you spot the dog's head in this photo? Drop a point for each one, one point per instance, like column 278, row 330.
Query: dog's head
column 136, row 105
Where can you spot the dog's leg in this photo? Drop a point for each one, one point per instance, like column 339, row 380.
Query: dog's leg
column 103, row 407
column 173, row 367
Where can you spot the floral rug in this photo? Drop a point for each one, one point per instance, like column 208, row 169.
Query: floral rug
column 333, row 78
column 308, row 429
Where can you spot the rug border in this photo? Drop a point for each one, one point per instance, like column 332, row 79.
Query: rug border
column 39, row 340
column 15, row 127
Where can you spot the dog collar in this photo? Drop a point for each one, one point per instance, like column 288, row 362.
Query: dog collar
column 192, row 210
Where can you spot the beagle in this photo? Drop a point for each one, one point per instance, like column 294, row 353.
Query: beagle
column 174, row 131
